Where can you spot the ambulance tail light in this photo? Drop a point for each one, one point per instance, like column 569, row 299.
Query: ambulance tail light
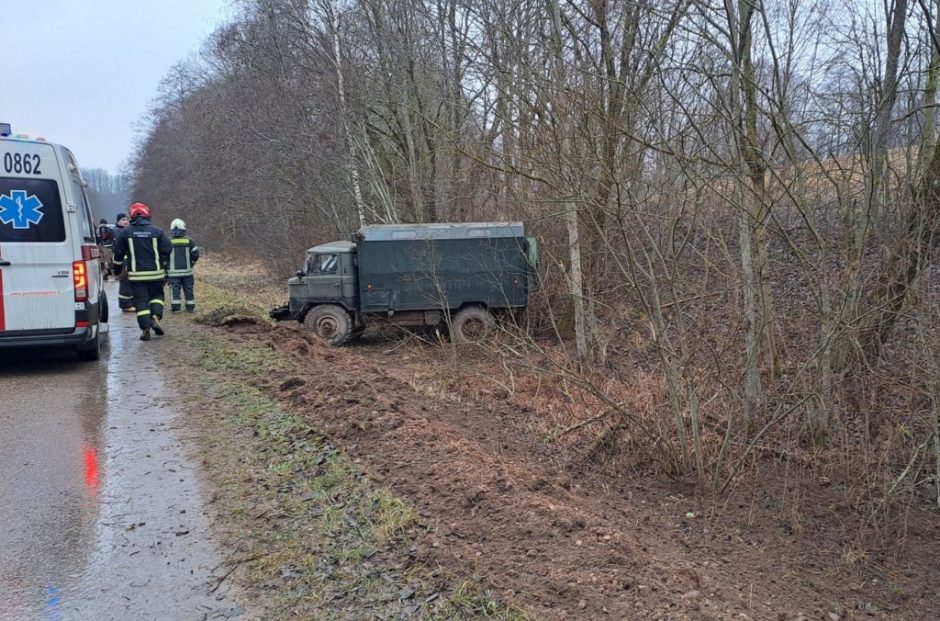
column 80, row 280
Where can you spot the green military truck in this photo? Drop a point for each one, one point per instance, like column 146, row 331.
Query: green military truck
column 411, row 275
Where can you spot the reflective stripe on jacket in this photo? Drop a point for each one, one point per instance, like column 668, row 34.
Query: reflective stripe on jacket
column 183, row 256
column 143, row 250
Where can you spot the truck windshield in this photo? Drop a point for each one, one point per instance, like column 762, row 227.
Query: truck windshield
column 321, row 264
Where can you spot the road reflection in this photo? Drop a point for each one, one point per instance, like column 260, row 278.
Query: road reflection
column 102, row 515
column 52, row 411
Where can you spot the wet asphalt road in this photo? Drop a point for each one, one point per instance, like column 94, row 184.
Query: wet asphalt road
column 101, row 512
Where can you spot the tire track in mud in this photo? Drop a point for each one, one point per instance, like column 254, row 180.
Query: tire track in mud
column 491, row 501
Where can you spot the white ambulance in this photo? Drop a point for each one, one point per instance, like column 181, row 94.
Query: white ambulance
column 51, row 287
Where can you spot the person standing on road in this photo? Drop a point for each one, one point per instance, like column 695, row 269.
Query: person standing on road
column 182, row 259
column 105, row 242
column 143, row 250
column 125, row 295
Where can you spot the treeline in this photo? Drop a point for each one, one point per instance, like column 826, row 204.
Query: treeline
column 749, row 186
column 107, row 193
column 100, row 180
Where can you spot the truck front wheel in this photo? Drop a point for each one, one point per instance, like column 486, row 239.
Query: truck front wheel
column 329, row 322
column 473, row 325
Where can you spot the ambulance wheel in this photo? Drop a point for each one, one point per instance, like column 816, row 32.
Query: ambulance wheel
column 92, row 350
column 330, row 323
column 472, row 324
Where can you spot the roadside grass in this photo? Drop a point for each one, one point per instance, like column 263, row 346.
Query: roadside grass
column 311, row 535
column 249, row 284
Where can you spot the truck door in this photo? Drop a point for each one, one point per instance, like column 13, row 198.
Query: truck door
column 36, row 289
column 327, row 283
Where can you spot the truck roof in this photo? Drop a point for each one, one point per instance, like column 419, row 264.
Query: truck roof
column 442, row 230
column 331, row 247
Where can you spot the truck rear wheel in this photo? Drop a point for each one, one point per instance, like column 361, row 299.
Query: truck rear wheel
column 329, row 322
column 473, row 325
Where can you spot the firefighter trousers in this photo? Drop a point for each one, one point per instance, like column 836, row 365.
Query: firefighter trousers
column 148, row 300
column 184, row 283
column 125, row 294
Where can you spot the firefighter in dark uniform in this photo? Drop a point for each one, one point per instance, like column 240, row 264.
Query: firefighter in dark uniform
column 125, row 295
column 182, row 259
column 144, row 251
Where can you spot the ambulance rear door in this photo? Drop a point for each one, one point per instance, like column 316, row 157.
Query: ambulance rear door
column 36, row 249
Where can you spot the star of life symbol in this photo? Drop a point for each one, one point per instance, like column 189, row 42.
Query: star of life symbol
column 20, row 209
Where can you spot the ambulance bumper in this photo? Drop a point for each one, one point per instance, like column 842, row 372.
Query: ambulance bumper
column 45, row 338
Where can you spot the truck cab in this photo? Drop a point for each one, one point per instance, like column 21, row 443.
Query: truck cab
column 328, row 277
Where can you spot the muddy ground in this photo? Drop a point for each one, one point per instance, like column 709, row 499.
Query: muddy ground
column 563, row 539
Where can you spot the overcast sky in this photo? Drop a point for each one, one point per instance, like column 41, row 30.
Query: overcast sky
column 83, row 72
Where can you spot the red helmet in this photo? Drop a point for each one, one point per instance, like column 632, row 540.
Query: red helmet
column 139, row 209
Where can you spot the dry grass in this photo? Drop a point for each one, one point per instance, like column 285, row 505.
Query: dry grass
column 248, row 284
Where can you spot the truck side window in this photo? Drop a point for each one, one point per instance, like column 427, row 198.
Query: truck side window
column 324, row 264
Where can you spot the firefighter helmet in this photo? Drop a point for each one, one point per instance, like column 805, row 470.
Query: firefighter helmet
column 178, row 224
column 139, row 209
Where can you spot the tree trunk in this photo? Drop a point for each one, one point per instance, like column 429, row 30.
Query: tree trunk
column 751, row 193
column 908, row 256
column 575, row 280
column 930, row 92
column 897, row 17
column 351, row 164
column 894, row 279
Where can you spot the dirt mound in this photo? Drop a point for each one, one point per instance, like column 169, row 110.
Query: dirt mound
column 230, row 316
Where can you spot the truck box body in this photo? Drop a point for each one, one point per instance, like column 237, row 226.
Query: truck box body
column 409, row 267
column 466, row 274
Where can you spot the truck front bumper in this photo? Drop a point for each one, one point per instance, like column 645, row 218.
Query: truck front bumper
column 281, row 313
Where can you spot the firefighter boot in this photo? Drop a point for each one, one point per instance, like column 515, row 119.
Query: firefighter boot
column 157, row 328
column 145, row 335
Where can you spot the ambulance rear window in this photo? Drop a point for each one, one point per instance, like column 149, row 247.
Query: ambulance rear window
column 30, row 211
